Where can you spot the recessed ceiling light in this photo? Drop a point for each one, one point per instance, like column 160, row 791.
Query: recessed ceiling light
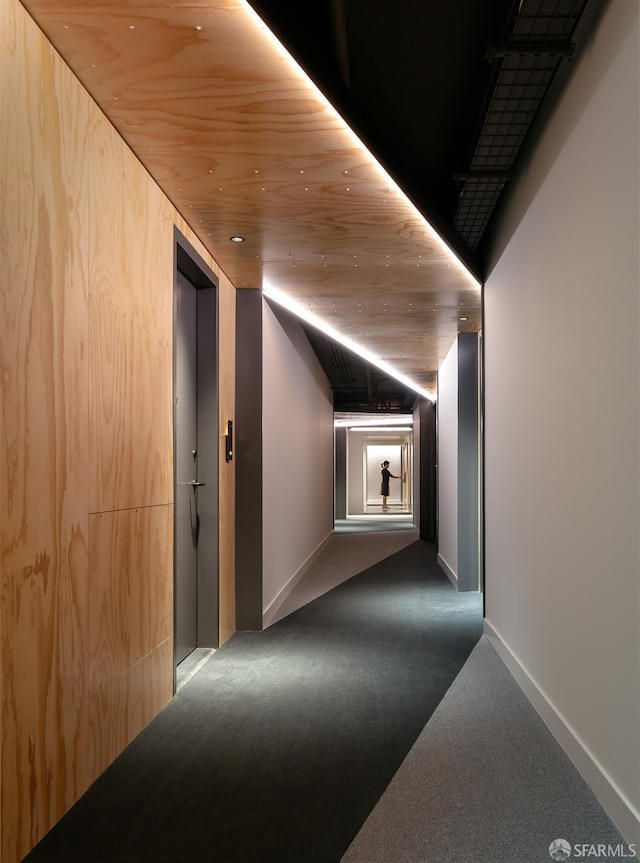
column 237, row 239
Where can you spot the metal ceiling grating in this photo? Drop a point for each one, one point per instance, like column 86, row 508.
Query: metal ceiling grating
column 342, row 365
column 524, row 65
column 356, row 385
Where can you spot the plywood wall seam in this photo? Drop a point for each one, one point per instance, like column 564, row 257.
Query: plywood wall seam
column 131, row 508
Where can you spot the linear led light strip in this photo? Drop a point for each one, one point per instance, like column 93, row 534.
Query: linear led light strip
column 288, row 302
column 379, row 422
column 380, row 428
column 385, row 175
column 307, row 315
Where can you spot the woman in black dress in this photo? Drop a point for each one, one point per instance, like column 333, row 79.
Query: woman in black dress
column 386, row 476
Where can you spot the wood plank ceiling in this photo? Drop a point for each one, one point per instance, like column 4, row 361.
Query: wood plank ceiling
column 244, row 144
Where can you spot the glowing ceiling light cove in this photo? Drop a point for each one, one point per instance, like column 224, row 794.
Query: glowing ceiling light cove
column 385, row 176
column 391, row 423
column 306, row 315
column 389, row 429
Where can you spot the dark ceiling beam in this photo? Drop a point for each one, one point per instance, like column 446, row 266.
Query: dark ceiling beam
column 492, row 176
column 532, row 49
column 339, row 25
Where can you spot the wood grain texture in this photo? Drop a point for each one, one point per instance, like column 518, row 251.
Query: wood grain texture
column 130, row 330
column 121, row 709
column 86, row 458
column 131, row 589
column 43, row 435
column 243, row 144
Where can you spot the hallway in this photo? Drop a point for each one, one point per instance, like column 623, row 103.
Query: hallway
column 372, row 724
column 280, row 746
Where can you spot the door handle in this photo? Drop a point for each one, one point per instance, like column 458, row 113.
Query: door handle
column 193, row 483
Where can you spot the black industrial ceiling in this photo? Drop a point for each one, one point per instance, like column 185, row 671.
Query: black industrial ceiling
column 357, row 385
column 445, row 93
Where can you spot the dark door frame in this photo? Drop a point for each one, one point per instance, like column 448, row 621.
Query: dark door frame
column 190, row 264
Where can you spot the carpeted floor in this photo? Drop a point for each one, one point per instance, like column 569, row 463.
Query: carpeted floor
column 352, row 547
column 485, row 782
column 281, row 745
column 378, row 524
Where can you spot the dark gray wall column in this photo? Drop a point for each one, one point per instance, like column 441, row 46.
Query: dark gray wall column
column 340, row 505
column 248, row 459
column 427, row 484
column 208, row 434
column 468, row 463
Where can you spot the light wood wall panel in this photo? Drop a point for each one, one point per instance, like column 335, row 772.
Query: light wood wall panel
column 86, row 558
column 43, row 435
column 131, row 589
column 120, row 710
column 130, row 330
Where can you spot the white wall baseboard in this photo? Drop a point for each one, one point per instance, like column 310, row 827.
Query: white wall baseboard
column 274, row 606
column 620, row 810
column 451, row 575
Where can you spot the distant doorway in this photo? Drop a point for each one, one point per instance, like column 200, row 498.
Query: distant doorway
column 374, row 456
column 365, row 452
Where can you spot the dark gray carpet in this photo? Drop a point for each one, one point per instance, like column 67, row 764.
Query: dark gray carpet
column 278, row 749
column 486, row 782
column 372, row 525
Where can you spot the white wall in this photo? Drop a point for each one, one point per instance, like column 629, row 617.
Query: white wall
column 562, row 418
column 447, row 408
column 355, row 472
column 297, row 452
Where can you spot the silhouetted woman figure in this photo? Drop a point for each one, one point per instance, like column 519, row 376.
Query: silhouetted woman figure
column 386, row 476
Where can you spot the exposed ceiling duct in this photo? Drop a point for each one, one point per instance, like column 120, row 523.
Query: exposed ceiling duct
column 538, row 39
column 358, row 386
column 515, row 51
column 525, row 44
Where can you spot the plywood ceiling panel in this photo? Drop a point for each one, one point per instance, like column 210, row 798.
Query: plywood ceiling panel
column 243, row 144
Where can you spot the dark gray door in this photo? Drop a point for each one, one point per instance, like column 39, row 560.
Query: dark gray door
column 196, row 453
column 187, row 525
